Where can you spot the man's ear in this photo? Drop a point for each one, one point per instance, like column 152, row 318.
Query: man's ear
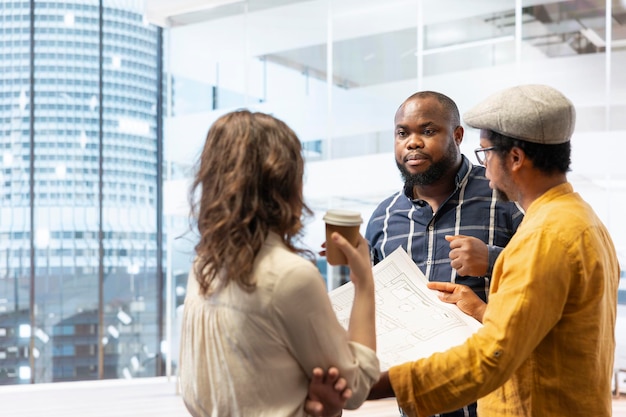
column 458, row 134
column 517, row 157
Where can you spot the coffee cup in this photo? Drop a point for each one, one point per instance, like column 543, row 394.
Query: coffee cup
column 345, row 222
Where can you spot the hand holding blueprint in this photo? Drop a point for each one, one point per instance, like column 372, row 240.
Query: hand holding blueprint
column 411, row 321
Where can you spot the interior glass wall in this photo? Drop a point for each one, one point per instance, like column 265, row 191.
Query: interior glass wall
column 336, row 71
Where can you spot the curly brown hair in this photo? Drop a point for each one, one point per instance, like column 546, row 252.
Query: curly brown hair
column 248, row 182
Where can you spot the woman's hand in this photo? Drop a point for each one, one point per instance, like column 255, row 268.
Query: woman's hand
column 358, row 258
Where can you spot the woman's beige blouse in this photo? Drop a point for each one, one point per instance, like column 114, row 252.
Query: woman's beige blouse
column 251, row 354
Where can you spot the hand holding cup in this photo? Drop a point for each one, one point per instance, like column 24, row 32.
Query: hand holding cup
column 347, row 223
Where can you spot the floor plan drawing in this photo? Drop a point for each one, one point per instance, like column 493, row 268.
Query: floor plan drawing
column 411, row 321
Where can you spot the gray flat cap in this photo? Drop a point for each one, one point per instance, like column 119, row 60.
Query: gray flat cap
column 533, row 113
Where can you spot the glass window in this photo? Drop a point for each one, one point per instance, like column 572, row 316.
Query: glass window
column 66, row 155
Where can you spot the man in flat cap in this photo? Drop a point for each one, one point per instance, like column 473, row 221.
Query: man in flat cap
column 547, row 343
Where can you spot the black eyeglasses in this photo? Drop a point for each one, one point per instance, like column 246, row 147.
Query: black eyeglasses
column 481, row 153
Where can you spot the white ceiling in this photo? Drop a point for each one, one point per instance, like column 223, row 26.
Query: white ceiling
column 172, row 13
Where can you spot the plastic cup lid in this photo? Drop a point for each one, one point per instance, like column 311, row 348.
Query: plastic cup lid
column 343, row 218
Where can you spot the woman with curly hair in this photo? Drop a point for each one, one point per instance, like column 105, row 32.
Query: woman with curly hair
column 257, row 318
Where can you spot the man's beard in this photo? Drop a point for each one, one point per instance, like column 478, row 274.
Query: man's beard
column 433, row 174
column 430, row 176
column 500, row 194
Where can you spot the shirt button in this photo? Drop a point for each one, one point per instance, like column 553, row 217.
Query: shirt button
column 429, row 261
column 497, row 353
column 431, row 228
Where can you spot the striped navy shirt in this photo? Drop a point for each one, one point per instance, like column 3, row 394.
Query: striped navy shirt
column 471, row 210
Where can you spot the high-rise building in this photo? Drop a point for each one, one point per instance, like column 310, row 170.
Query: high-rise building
column 79, row 191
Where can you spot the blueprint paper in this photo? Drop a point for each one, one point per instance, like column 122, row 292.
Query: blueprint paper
column 411, row 321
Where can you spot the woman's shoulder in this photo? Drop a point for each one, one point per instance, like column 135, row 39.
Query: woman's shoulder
column 279, row 266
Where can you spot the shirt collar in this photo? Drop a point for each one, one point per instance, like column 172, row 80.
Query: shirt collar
column 461, row 174
column 553, row 193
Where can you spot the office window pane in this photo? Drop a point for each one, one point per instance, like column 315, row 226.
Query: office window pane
column 469, row 38
column 287, row 78
column 59, row 222
column 15, row 94
column 66, row 128
column 374, row 44
column 566, row 28
column 131, row 287
column 619, row 26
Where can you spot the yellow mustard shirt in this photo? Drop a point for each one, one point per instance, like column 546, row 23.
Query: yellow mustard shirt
column 547, row 344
